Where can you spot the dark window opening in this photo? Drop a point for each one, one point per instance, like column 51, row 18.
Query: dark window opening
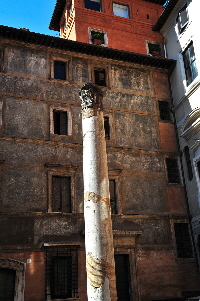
column 60, row 122
column 61, row 272
column 122, row 272
column 172, row 170
column 93, row 5
column 113, row 198
column 97, row 37
column 182, row 19
column 59, row 70
column 7, row 284
column 183, row 242
column 147, row 16
column 189, row 59
column 107, row 127
column 164, row 109
column 61, row 194
column 121, row 10
column 198, row 168
column 154, row 49
column 188, row 163
column 100, row 76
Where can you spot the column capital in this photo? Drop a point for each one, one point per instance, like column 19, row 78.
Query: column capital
column 91, row 99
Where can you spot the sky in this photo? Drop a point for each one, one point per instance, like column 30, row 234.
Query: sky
column 34, row 15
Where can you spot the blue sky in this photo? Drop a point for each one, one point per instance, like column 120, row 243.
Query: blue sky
column 32, row 14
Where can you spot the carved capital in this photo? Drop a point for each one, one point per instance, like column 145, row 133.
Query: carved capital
column 91, row 97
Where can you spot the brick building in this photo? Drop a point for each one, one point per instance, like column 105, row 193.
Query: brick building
column 42, row 253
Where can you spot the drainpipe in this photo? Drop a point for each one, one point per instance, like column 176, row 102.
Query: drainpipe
column 101, row 283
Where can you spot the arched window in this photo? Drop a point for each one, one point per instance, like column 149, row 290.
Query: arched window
column 188, row 163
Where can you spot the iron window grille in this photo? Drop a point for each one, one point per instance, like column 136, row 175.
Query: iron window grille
column 61, row 194
column 172, row 170
column 60, row 119
column 189, row 59
column 60, row 70
column 188, row 163
column 183, row 242
column 61, row 272
column 182, row 19
column 164, row 110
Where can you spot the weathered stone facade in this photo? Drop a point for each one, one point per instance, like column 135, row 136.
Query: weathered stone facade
column 31, row 154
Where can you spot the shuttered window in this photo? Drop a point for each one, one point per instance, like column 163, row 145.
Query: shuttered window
column 61, row 194
column 60, row 122
column 122, row 272
column 7, row 284
column 59, row 70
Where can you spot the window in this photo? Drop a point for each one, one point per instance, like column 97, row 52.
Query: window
column 7, row 284
column 97, row 37
column 59, row 70
column 188, row 163
column 164, row 110
column 60, row 122
column 198, row 168
column 61, row 194
column 154, row 49
column 93, row 4
column 172, row 170
column 107, row 127
column 113, row 199
column 100, row 76
column 189, row 59
column 122, row 277
column 182, row 19
column 183, row 242
column 121, row 10
column 62, row 272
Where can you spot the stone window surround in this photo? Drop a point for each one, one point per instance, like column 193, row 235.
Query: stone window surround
column 156, row 43
column 64, row 171
column 174, row 156
column 100, row 31
column 115, row 175
column 19, row 267
column 64, row 60
column 110, row 115
column 69, row 119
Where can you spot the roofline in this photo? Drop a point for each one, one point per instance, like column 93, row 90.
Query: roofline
column 165, row 15
column 83, row 48
column 59, row 8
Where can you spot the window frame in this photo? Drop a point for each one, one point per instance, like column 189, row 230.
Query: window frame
column 63, row 60
column 191, row 79
column 176, row 240
column 97, row 10
column 110, row 115
column 122, row 5
column 54, row 136
column 160, row 111
column 90, row 38
column 181, row 27
column 188, row 161
column 64, row 171
column 115, row 175
column 178, row 170
column 61, row 251
column 156, row 44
